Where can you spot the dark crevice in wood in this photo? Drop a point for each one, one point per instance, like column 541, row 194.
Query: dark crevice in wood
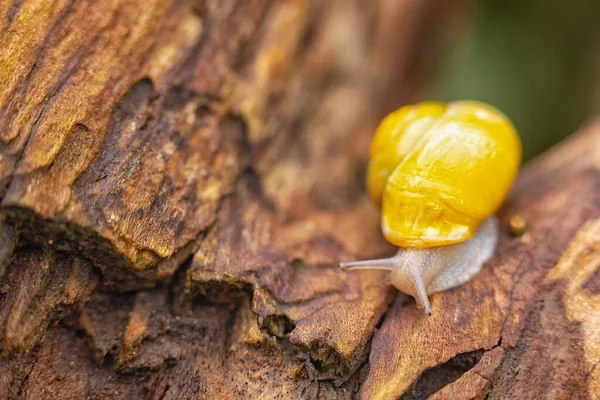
column 278, row 325
column 436, row 378
column 13, row 11
column 177, row 286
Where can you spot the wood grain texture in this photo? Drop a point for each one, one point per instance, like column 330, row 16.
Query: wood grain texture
column 179, row 180
column 125, row 123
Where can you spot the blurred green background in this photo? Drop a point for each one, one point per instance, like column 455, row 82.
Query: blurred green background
column 536, row 60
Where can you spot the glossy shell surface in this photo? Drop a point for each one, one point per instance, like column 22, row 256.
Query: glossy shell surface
column 438, row 171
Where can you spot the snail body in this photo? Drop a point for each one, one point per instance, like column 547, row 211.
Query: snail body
column 439, row 173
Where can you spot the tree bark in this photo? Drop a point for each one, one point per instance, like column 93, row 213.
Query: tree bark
column 179, row 180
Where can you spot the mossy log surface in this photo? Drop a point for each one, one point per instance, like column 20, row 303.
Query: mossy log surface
column 179, row 179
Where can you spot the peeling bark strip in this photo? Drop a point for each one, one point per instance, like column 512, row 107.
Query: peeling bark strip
column 179, row 179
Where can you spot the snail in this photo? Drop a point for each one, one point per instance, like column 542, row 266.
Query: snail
column 439, row 172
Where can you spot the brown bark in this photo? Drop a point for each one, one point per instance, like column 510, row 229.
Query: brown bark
column 179, row 180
